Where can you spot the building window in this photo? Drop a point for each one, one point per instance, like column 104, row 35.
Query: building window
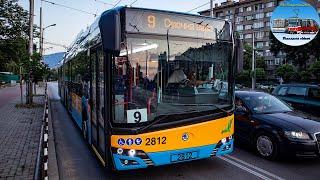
column 267, row 24
column 241, row 9
column 270, row 62
column 239, row 27
column 259, row 35
column 240, row 36
column 229, row 12
column 257, row 25
column 267, row 33
column 219, row 14
column 269, row 4
column 277, row 61
column 268, row 53
column 259, row 45
column 247, row 27
column 259, row 15
column 268, row 14
column 267, row 45
column 248, row 36
column 239, row 19
column 258, row 7
column 248, row 9
column 248, row 18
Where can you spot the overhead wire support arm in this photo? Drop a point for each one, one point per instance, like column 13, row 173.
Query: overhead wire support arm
column 68, row 7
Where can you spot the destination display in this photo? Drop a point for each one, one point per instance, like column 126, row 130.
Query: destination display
column 157, row 22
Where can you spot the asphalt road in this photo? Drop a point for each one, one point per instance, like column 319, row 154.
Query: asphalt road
column 77, row 161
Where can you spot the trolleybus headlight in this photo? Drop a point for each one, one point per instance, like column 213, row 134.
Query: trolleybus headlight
column 119, row 151
column 224, row 140
column 126, row 162
column 132, row 152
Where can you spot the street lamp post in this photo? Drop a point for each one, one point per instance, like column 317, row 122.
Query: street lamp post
column 41, row 38
column 253, row 79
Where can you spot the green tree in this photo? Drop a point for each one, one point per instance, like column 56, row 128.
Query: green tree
column 315, row 70
column 305, row 76
column 247, row 59
column 37, row 69
column 244, row 77
column 260, row 74
column 287, row 72
column 14, row 28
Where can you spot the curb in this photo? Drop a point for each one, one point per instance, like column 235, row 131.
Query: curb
column 45, row 145
column 42, row 155
column 53, row 172
column 42, row 169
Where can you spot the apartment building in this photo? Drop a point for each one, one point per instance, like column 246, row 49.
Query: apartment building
column 251, row 18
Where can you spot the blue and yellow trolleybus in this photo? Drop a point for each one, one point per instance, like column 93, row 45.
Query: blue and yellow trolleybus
column 149, row 87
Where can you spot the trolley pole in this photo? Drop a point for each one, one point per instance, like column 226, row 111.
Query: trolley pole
column 31, row 18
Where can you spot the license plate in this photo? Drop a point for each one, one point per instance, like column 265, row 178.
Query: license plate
column 184, row 156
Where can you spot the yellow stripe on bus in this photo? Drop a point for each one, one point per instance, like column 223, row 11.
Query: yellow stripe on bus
column 98, row 155
column 200, row 134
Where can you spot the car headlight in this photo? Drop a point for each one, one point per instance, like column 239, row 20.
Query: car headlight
column 297, row 135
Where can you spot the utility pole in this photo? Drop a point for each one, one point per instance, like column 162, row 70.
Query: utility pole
column 41, row 33
column 211, row 8
column 253, row 80
column 31, row 18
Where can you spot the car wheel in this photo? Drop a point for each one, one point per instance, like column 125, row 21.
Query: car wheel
column 266, row 146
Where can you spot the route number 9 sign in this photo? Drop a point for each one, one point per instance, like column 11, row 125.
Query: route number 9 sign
column 137, row 115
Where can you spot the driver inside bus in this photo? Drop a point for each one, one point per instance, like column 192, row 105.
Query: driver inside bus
column 178, row 76
column 193, row 80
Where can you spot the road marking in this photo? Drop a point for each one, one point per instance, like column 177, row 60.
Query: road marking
column 244, row 168
column 255, row 167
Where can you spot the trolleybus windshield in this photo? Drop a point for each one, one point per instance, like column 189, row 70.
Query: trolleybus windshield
column 159, row 74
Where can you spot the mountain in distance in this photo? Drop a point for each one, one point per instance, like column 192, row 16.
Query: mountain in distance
column 52, row 60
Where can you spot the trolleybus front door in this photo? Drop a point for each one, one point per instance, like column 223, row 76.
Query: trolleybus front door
column 97, row 103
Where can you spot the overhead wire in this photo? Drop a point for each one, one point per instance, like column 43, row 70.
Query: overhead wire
column 133, row 2
column 105, row 3
column 117, row 3
column 198, row 7
column 68, row 7
column 53, row 43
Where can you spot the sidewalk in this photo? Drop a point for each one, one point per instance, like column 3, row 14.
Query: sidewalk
column 19, row 138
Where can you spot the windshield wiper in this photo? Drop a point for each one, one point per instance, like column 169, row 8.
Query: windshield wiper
column 217, row 107
column 140, row 130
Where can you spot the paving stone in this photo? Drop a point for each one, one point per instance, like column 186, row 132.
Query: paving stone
column 19, row 139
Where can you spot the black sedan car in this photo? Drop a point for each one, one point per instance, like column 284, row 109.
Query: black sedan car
column 274, row 128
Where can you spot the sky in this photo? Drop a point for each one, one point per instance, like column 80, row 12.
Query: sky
column 292, row 11
column 69, row 22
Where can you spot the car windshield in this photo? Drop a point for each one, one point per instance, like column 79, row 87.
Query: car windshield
column 265, row 103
